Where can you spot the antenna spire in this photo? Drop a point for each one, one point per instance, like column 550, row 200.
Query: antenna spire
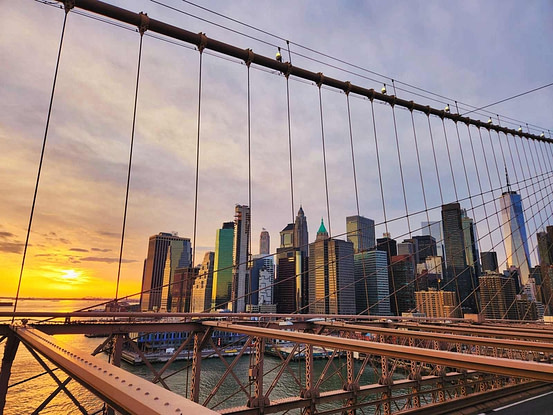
column 507, row 176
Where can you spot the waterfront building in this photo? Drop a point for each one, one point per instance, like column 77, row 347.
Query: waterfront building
column 331, row 281
column 514, row 232
column 222, row 267
column 437, row 303
column 360, row 232
column 372, row 293
column 241, row 259
column 166, row 253
column 264, row 242
column 203, row 285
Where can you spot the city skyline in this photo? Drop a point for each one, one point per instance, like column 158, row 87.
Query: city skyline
column 74, row 243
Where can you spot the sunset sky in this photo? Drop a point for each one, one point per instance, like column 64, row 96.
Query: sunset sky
column 473, row 52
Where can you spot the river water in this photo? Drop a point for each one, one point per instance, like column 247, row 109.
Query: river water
column 25, row 397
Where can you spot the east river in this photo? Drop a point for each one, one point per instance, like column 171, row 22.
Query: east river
column 24, row 398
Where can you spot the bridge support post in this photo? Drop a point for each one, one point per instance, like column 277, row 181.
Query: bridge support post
column 386, row 380
column 256, row 373
column 309, row 391
column 415, row 374
column 351, row 385
column 116, row 351
column 10, row 349
column 196, row 367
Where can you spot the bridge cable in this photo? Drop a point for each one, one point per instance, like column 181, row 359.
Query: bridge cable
column 67, row 7
column 142, row 29
column 290, row 144
column 288, row 42
column 420, row 176
column 324, row 158
column 360, row 233
column 197, row 176
column 471, row 267
column 388, row 257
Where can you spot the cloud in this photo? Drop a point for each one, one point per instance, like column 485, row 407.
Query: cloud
column 109, row 234
column 107, row 260
column 5, row 235
column 11, row 247
column 100, row 249
column 79, row 250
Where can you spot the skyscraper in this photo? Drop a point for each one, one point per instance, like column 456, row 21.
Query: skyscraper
column 514, row 232
column 240, row 259
column 489, row 261
column 163, row 248
column 437, row 303
column 331, row 281
column 264, row 243
column 262, row 277
column 498, row 293
column 360, row 231
column 402, row 272
column 203, row 285
column 372, row 295
column 222, row 268
column 301, row 236
column 434, row 229
column 459, row 277
column 291, row 290
column 426, row 247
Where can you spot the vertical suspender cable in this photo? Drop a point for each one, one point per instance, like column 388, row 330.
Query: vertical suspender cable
column 401, row 171
column 290, row 144
column 359, row 233
column 450, row 163
column 249, row 221
column 383, row 204
column 67, row 8
column 142, row 30
column 324, row 159
column 200, row 49
column 435, row 162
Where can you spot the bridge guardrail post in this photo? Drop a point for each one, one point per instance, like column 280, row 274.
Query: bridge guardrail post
column 10, row 349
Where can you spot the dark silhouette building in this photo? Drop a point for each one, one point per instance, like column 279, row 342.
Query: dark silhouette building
column 489, row 261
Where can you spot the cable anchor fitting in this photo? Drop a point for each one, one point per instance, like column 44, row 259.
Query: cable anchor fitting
column 370, row 95
column 321, row 79
column 347, row 88
column 144, row 23
column 249, row 60
column 411, row 106
column 288, row 70
column 68, row 5
column 203, row 42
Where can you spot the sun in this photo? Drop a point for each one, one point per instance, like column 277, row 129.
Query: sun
column 70, row 275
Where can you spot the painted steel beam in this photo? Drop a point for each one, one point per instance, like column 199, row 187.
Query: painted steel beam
column 127, row 393
column 499, row 332
column 451, row 338
column 507, row 367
